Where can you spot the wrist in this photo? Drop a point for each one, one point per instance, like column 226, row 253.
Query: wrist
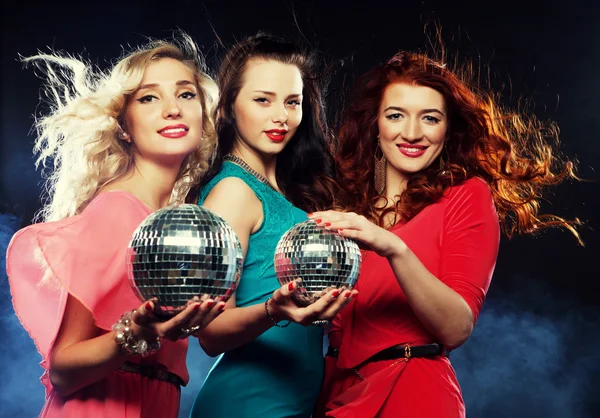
column 129, row 343
column 398, row 249
column 274, row 313
column 275, row 310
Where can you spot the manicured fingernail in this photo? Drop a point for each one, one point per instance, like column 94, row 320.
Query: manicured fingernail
column 291, row 286
column 335, row 294
column 347, row 295
column 318, row 221
column 222, row 307
column 340, row 230
column 209, row 304
column 196, row 307
column 326, row 224
column 148, row 306
column 309, row 214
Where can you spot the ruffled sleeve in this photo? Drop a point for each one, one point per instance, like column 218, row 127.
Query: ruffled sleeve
column 84, row 256
column 470, row 242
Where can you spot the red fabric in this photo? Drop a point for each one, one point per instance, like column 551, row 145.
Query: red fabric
column 457, row 240
column 85, row 256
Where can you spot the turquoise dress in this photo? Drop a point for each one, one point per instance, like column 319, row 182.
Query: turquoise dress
column 279, row 374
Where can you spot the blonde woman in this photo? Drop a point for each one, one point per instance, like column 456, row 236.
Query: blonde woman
column 123, row 144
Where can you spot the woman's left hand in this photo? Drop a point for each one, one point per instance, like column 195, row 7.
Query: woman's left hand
column 359, row 228
column 196, row 316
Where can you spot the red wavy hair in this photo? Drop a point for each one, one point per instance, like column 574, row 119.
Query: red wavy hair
column 512, row 153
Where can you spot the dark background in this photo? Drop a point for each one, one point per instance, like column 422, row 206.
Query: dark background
column 534, row 350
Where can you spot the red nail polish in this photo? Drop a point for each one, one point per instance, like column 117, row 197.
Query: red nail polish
column 335, row 294
column 318, row 221
column 347, row 295
column 196, row 307
column 340, row 230
column 309, row 214
column 326, row 224
column 291, row 286
column 209, row 304
column 148, row 306
column 222, row 307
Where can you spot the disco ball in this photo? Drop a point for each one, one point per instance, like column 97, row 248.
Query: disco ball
column 323, row 259
column 183, row 251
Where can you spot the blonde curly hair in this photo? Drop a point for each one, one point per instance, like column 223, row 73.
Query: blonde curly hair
column 81, row 133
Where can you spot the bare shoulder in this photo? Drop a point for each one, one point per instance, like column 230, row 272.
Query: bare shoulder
column 231, row 190
column 236, row 202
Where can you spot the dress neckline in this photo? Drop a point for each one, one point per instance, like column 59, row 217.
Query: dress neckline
column 129, row 194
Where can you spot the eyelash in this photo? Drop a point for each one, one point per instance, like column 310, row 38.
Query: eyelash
column 149, row 97
column 264, row 100
column 432, row 120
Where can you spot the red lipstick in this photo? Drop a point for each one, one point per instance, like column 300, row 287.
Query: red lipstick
column 412, row 151
column 174, row 131
column 276, row 135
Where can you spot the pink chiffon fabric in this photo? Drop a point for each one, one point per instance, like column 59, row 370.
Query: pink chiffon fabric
column 85, row 256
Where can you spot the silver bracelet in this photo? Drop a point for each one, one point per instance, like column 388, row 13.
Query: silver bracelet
column 128, row 342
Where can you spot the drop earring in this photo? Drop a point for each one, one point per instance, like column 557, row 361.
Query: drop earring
column 379, row 169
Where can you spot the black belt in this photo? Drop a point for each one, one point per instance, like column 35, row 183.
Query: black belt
column 401, row 351
column 152, row 372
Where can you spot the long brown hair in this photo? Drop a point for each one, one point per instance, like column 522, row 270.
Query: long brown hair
column 305, row 168
column 512, row 153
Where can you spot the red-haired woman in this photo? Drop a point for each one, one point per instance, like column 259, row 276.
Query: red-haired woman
column 431, row 169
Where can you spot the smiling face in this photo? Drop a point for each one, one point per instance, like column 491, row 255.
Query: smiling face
column 268, row 107
column 164, row 115
column 412, row 125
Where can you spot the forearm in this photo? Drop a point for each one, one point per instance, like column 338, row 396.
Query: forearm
column 234, row 328
column 442, row 311
column 83, row 363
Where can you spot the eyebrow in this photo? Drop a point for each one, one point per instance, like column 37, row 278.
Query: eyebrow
column 423, row 111
column 270, row 93
column 178, row 84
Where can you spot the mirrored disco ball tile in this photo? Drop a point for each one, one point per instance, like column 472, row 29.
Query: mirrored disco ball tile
column 175, row 249
column 321, row 258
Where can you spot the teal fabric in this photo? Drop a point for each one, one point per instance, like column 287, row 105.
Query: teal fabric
column 279, row 374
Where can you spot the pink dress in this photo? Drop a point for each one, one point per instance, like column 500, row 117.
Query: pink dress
column 85, row 256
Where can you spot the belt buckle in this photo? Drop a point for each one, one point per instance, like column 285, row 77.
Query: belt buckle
column 407, row 352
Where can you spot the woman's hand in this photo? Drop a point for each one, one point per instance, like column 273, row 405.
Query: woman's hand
column 197, row 315
column 359, row 228
column 283, row 307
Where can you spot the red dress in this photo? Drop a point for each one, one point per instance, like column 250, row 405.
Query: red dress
column 457, row 240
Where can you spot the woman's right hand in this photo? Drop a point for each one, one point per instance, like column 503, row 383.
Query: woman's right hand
column 197, row 315
column 283, row 307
